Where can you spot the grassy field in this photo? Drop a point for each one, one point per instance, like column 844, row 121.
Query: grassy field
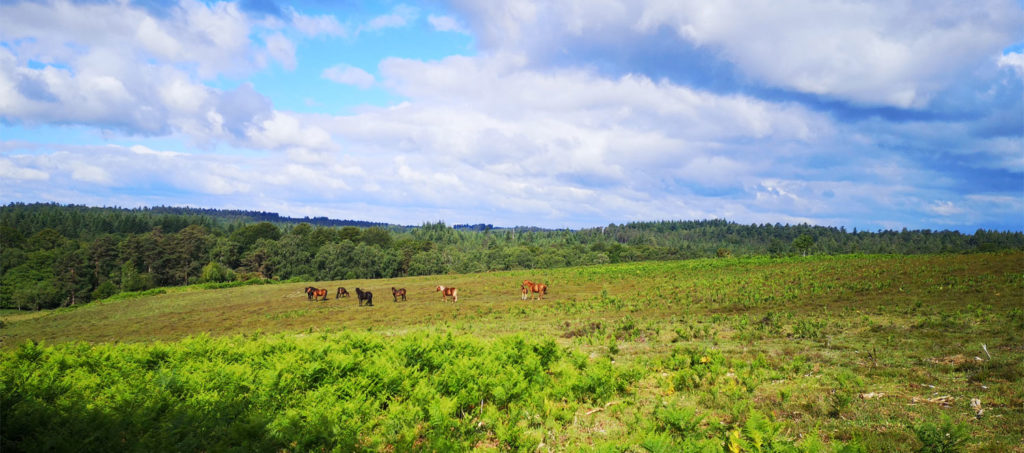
column 849, row 353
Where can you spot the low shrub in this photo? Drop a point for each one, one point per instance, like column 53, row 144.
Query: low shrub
column 345, row 391
column 943, row 437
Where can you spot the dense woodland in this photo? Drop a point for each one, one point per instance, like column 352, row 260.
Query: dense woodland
column 55, row 255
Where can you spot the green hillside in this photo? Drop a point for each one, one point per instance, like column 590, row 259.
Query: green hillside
column 848, row 353
column 57, row 256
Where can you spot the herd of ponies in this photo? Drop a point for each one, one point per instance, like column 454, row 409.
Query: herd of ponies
column 366, row 297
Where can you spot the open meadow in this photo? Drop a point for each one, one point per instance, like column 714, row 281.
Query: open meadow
column 820, row 353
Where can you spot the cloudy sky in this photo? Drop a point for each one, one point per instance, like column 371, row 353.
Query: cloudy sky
column 576, row 113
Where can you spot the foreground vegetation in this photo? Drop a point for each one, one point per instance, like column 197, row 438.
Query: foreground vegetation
column 848, row 353
column 54, row 256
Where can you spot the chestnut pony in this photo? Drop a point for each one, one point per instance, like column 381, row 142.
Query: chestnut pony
column 398, row 292
column 316, row 293
column 446, row 291
column 537, row 288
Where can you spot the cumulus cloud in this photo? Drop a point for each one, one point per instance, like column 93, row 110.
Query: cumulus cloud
column 323, row 25
column 281, row 49
column 118, row 67
column 399, row 16
column 283, row 130
column 550, row 124
column 570, row 141
column 503, row 86
column 445, row 23
column 897, row 54
column 11, row 171
column 1014, row 61
column 349, row 75
column 117, row 169
column 214, row 38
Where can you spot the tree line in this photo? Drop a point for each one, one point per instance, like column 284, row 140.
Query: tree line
column 54, row 255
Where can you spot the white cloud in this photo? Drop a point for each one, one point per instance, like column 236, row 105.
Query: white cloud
column 503, row 86
column 568, row 143
column 891, row 53
column 349, row 75
column 885, row 53
column 90, row 173
column 1013, row 60
column 536, row 129
column 324, row 25
column 399, row 16
column 118, row 67
column 114, row 169
column 147, row 151
column 945, row 208
column 282, row 131
column 215, row 38
column 445, row 23
column 281, row 49
column 11, row 171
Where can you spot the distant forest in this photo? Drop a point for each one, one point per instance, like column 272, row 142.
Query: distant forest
column 58, row 255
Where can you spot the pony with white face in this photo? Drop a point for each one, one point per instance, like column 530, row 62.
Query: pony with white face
column 448, row 291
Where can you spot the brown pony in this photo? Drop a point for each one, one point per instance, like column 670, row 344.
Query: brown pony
column 446, row 291
column 364, row 296
column 309, row 292
column 537, row 288
column 398, row 292
column 316, row 293
column 341, row 292
column 526, row 292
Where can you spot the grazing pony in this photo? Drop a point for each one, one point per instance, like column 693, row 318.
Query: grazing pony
column 364, row 296
column 398, row 292
column 538, row 288
column 446, row 291
column 341, row 292
column 315, row 293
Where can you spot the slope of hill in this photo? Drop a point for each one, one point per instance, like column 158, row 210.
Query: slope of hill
column 816, row 353
column 52, row 256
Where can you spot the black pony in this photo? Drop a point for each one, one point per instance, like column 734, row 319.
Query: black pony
column 364, row 295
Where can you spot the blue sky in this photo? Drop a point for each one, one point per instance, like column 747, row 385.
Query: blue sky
column 863, row 114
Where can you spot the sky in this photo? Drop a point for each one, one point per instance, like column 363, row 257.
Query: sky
column 860, row 114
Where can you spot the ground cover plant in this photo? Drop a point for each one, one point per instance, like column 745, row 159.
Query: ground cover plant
column 819, row 353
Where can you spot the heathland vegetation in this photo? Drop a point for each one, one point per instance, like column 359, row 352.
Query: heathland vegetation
column 806, row 354
column 173, row 329
column 53, row 255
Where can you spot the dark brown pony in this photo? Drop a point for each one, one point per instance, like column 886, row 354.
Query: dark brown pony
column 398, row 292
column 316, row 293
column 446, row 291
column 364, row 296
column 536, row 288
column 309, row 292
column 341, row 292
